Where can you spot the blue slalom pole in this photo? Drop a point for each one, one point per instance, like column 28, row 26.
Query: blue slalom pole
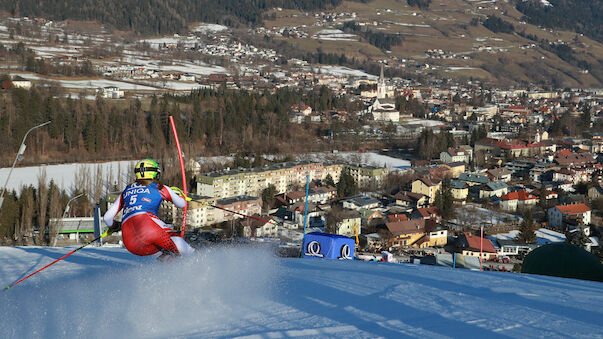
column 306, row 212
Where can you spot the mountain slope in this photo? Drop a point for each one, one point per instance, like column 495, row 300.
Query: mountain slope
column 102, row 292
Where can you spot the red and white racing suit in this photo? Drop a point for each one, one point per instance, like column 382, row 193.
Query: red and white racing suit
column 142, row 231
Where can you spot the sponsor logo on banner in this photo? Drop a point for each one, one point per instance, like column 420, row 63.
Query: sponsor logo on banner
column 313, row 249
column 345, row 252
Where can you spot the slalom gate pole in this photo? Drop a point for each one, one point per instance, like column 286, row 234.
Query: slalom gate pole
column 182, row 172
column 54, row 262
column 305, row 212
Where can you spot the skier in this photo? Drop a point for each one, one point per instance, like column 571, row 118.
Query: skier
column 143, row 232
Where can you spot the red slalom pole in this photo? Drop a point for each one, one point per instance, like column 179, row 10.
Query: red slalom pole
column 54, row 262
column 182, row 172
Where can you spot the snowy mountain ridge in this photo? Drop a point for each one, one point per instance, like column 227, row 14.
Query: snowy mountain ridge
column 246, row 292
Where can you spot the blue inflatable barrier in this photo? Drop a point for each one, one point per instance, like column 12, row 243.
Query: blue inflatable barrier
column 328, row 246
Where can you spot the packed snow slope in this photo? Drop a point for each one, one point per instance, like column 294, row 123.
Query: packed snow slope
column 246, row 292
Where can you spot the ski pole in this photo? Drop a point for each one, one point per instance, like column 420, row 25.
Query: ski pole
column 52, row 263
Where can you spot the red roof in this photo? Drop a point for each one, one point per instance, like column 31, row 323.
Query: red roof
column 473, row 242
column 397, row 217
column 427, row 212
column 519, row 195
column 573, row 208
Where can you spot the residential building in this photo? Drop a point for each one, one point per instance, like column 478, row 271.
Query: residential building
column 370, row 177
column 473, row 179
column 459, row 189
column 595, row 192
column 572, row 213
column 20, row 82
column 462, row 153
column 360, row 201
column 513, row 201
column 427, row 186
column 493, row 189
column 405, row 233
column 242, row 204
column 230, row 183
column 350, row 225
column 455, row 169
column 411, row 200
column 469, row 244
column 501, row 174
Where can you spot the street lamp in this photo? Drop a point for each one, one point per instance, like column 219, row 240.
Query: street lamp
column 17, row 158
column 56, row 236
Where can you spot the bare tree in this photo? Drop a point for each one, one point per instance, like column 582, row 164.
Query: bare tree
column 42, row 206
column 27, row 212
column 98, row 184
column 55, row 212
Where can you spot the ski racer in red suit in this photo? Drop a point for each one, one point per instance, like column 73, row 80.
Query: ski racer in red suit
column 142, row 231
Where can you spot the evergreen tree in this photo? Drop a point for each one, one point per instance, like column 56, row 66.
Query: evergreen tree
column 444, row 200
column 527, row 230
column 329, row 181
column 268, row 196
column 346, row 186
column 576, row 237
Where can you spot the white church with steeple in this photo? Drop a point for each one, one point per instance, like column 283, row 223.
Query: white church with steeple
column 383, row 107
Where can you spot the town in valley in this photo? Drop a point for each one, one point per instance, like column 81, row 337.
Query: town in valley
column 469, row 149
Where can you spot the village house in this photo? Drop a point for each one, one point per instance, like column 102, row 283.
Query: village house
column 462, row 153
column 427, row 186
column 405, row 233
column 459, row 189
column 493, row 189
column 350, row 225
column 411, row 200
column 473, row 179
column 595, row 192
column 560, row 215
column 242, row 204
column 501, row 174
column 255, row 227
column 455, row 169
column 111, row 92
column 19, row 82
column 518, row 200
column 469, row 244
column 360, row 201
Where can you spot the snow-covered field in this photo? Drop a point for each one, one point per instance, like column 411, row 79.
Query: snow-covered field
column 369, row 158
column 65, row 175
column 343, row 71
column 243, row 292
column 544, row 236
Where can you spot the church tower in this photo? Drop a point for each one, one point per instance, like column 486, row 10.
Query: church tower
column 381, row 88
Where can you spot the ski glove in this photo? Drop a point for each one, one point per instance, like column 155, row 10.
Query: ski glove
column 115, row 228
column 180, row 193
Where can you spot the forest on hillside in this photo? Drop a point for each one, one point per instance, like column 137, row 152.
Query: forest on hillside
column 210, row 122
column 158, row 16
column 581, row 16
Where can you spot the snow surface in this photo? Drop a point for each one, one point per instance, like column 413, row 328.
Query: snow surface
column 209, row 28
column 369, row 158
column 544, row 236
column 343, row 71
column 248, row 293
column 89, row 83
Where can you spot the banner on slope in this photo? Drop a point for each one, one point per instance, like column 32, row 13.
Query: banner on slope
column 328, row 246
